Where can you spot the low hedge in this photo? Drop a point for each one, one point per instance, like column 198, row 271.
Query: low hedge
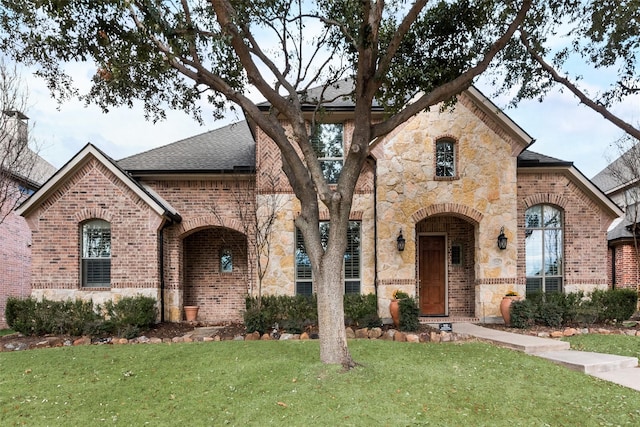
column 296, row 313
column 126, row 318
column 560, row 309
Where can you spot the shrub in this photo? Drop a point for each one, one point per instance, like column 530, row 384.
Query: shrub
column 32, row 317
column 361, row 310
column 131, row 315
column 254, row 320
column 615, row 304
column 409, row 314
column 549, row 313
column 523, row 313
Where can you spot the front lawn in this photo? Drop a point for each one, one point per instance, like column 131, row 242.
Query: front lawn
column 283, row 383
column 622, row 345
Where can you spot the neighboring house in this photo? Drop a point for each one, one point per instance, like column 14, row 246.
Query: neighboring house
column 15, row 236
column 619, row 181
column 166, row 222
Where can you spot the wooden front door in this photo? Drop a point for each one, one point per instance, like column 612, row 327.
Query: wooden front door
column 432, row 275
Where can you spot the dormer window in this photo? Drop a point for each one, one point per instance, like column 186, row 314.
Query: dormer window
column 445, row 158
column 328, row 143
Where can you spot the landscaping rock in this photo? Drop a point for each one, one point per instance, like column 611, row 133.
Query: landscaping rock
column 155, row 340
column 400, row 337
column 304, row 336
column 413, row 338
column 446, row 337
column 362, row 333
column 286, row 337
column 569, row 332
column 254, row 336
column 375, row 333
column 543, row 334
column 388, row 335
column 238, row 338
column 350, row 333
column 557, row 334
column 265, row 337
column 82, row 341
column 434, row 337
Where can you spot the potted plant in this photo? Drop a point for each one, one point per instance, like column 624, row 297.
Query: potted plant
column 394, row 306
column 505, row 305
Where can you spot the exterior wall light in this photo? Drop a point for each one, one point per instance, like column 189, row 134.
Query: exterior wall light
column 401, row 241
column 502, row 239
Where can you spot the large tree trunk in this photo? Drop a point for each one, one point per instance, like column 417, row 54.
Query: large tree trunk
column 333, row 339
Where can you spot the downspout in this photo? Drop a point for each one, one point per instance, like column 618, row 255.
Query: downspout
column 161, row 268
column 613, row 267
column 375, row 233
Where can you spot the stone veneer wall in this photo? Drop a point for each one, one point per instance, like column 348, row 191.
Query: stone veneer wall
column 94, row 192
column 15, row 258
column 585, row 228
column 484, row 193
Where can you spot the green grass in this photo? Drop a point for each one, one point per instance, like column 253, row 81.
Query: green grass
column 283, row 383
column 622, row 345
column 4, row 332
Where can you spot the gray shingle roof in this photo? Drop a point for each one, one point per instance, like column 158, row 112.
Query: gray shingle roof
column 230, row 148
column 335, row 97
column 617, row 172
column 531, row 158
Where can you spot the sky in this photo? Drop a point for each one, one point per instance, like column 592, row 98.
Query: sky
column 561, row 127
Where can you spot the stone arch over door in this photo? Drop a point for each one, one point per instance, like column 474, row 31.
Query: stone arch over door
column 215, row 272
column 454, row 233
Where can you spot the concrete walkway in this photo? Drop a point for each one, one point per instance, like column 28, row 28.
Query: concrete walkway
column 617, row 369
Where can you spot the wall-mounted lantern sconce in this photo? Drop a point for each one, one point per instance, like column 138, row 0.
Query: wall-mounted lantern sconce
column 502, row 239
column 401, row 241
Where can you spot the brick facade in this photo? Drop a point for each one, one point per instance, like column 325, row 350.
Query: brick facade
column 627, row 273
column 15, row 258
column 584, row 225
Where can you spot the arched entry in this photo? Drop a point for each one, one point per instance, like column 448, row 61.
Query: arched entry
column 445, row 259
column 215, row 273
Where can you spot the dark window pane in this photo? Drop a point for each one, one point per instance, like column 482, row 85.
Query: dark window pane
column 96, row 272
column 304, row 288
column 534, row 286
column 553, row 284
column 456, row 254
column 352, row 287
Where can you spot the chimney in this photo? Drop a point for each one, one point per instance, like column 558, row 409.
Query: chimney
column 17, row 125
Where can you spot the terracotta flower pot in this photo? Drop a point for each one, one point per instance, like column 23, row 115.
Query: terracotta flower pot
column 394, row 308
column 505, row 308
column 191, row 312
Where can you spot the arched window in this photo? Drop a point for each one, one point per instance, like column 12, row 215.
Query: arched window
column 226, row 261
column 446, row 158
column 96, row 254
column 544, row 249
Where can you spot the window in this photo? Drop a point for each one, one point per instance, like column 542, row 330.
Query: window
column 351, row 270
column 226, row 261
column 544, row 249
column 96, row 253
column 456, row 254
column 327, row 142
column 445, row 158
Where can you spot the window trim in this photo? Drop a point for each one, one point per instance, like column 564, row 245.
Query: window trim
column 221, row 265
column 454, row 146
column 329, row 159
column 542, row 228
column 307, row 281
column 86, row 260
